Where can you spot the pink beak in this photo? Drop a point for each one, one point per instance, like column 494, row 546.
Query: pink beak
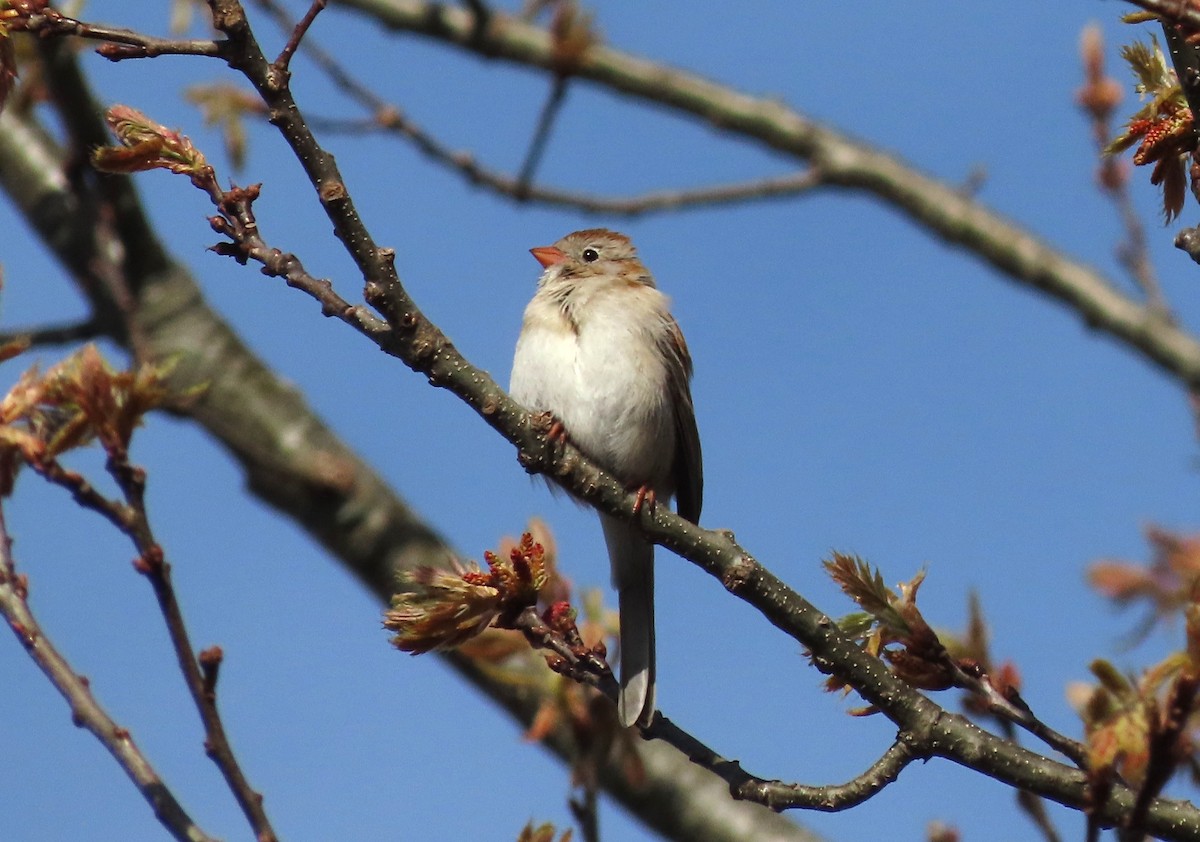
column 548, row 255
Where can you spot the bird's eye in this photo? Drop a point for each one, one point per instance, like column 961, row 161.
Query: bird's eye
column 590, row 255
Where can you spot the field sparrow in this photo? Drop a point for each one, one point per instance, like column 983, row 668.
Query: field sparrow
column 600, row 351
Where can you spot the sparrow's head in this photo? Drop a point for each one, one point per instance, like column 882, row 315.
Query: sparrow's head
column 595, row 252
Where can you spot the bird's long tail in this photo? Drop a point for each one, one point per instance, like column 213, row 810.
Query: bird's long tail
column 632, row 560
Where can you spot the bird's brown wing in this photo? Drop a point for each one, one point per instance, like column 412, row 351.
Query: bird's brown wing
column 688, row 469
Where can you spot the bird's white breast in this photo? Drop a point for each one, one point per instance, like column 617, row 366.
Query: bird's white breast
column 604, row 377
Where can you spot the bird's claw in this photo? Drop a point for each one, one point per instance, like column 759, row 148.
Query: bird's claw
column 645, row 499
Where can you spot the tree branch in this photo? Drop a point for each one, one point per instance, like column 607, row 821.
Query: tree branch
column 390, row 118
column 296, row 464
column 86, row 712
column 131, row 519
column 1172, row 10
column 60, row 334
column 943, row 210
column 419, row 343
column 118, row 43
column 409, row 336
column 424, row 348
column 781, row 796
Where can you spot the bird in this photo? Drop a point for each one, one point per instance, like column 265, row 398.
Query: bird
column 600, row 351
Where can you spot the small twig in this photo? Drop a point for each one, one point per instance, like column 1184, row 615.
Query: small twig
column 1098, row 98
column 835, row 797
column 118, row 43
column 1016, row 711
column 153, row 564
column 1035, row 808
column 86, row 712
column 130, row 517
column 1165, row 749
column 237, row 221
column 587, row 815
column 387, row 117
column 659, row 201
column 576, row 662
column 581, row 664
column 61, row 334
column 282, row 63
column 84, row 493
column 537, row 146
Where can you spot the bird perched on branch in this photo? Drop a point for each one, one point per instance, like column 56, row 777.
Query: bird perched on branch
column 600, row 351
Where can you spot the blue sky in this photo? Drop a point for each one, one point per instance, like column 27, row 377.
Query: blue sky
column 859, row 386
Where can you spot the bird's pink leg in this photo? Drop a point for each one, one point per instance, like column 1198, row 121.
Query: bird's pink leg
column 557, row 434
column 645, row 495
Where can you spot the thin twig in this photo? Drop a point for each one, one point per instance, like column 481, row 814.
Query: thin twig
column 574, row 661
column 60, row 334
column 153, row 564
column 940, row 209
column 541, row 135
column 130, row 517
column 86, row 712
column 1016, row 711
column 585, row 809
column 389, row 118
column 835, row 797
column 118, row 43
column 658, row 201
column 284, row 60
column 1099, row 103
